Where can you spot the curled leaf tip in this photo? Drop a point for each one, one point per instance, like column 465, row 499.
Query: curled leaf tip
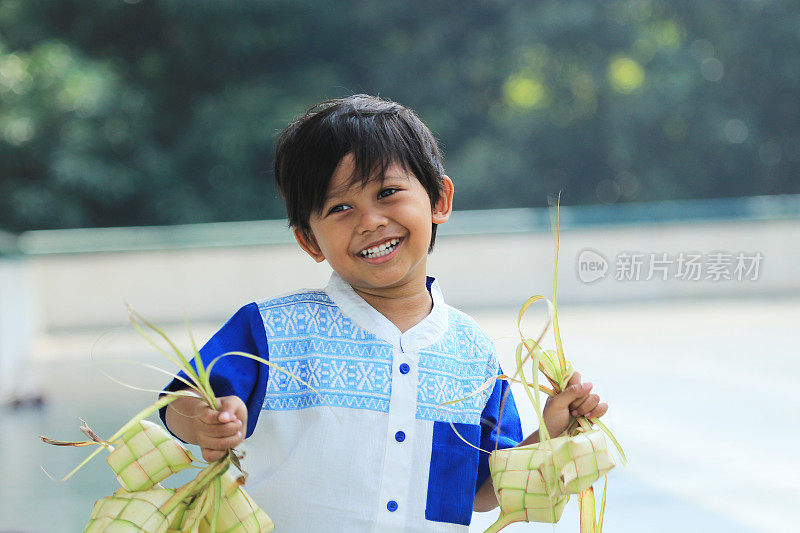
column 66, row 443
column 89, row 433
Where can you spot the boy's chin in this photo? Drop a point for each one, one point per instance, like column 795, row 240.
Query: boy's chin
column 386, row 283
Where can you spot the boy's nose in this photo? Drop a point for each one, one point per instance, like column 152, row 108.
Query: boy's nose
column 370, row 220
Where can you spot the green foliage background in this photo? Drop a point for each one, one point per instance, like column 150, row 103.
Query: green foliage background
column 134, row 112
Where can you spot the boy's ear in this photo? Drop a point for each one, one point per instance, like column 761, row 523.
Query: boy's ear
column 309, row 244
column 444, row 205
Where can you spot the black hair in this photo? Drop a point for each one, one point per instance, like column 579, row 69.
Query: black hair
column 377, row 132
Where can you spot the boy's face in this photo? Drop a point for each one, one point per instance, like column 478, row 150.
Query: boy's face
column 356, row 221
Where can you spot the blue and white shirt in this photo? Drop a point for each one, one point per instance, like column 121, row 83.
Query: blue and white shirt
column 370, row 448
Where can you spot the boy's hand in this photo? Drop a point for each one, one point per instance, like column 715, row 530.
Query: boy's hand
column 574, row 400
column 221, row 430
column 214, row 431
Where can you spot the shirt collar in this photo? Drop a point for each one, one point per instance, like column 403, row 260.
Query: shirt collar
column 423, row 334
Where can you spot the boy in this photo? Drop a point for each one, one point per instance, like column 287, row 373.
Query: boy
column 365, row 190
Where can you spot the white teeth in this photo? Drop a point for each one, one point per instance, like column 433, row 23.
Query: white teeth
column 380, row 250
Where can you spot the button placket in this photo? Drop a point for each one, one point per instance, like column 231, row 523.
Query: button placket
column 398, row 452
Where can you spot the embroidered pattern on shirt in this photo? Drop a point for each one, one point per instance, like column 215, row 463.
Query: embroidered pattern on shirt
column 455, row 367
column 309, row 336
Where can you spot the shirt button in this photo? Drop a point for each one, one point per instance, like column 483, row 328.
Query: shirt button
column 392, row 506
column 399, row 436
column 404, row 368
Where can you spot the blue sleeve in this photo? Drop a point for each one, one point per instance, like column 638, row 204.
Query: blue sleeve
column 510, row 429
column 232, row 374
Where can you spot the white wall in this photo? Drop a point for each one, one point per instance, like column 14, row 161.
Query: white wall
column 88, row 289
column 502, row 269
column 16, row 324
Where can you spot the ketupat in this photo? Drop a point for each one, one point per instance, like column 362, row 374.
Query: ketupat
column 214, row 498
column 238, row 512
column 582, row 460
column 142, row 454
column 526, row 484
column 154, row 510
column 147, row 455
column 533, row 483
column 132, row 511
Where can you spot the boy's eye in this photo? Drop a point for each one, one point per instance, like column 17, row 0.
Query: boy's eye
column 338, row 208
column 387, row 192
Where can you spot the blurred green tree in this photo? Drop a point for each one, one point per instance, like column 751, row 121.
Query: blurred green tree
column 147, row 112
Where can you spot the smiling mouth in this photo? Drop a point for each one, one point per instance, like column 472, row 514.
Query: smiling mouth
column 380, row 250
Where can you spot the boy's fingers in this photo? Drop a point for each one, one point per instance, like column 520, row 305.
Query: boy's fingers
column 226, row 443
column 218, row 430
column 598, row 411
column 583, row 394
column 227, row 410
column 575, row 379
column 586, row 405
column 575, row 394
column 573, row 407
column 221, row 444
column 232, row 408
column 216, row 418
column 570, row 397
column 210, row 417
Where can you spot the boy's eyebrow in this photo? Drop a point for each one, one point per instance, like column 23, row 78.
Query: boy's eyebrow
column 394, row 176
column 332, row 194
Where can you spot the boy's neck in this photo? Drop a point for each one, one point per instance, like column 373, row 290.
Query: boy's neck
column 403, row 308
